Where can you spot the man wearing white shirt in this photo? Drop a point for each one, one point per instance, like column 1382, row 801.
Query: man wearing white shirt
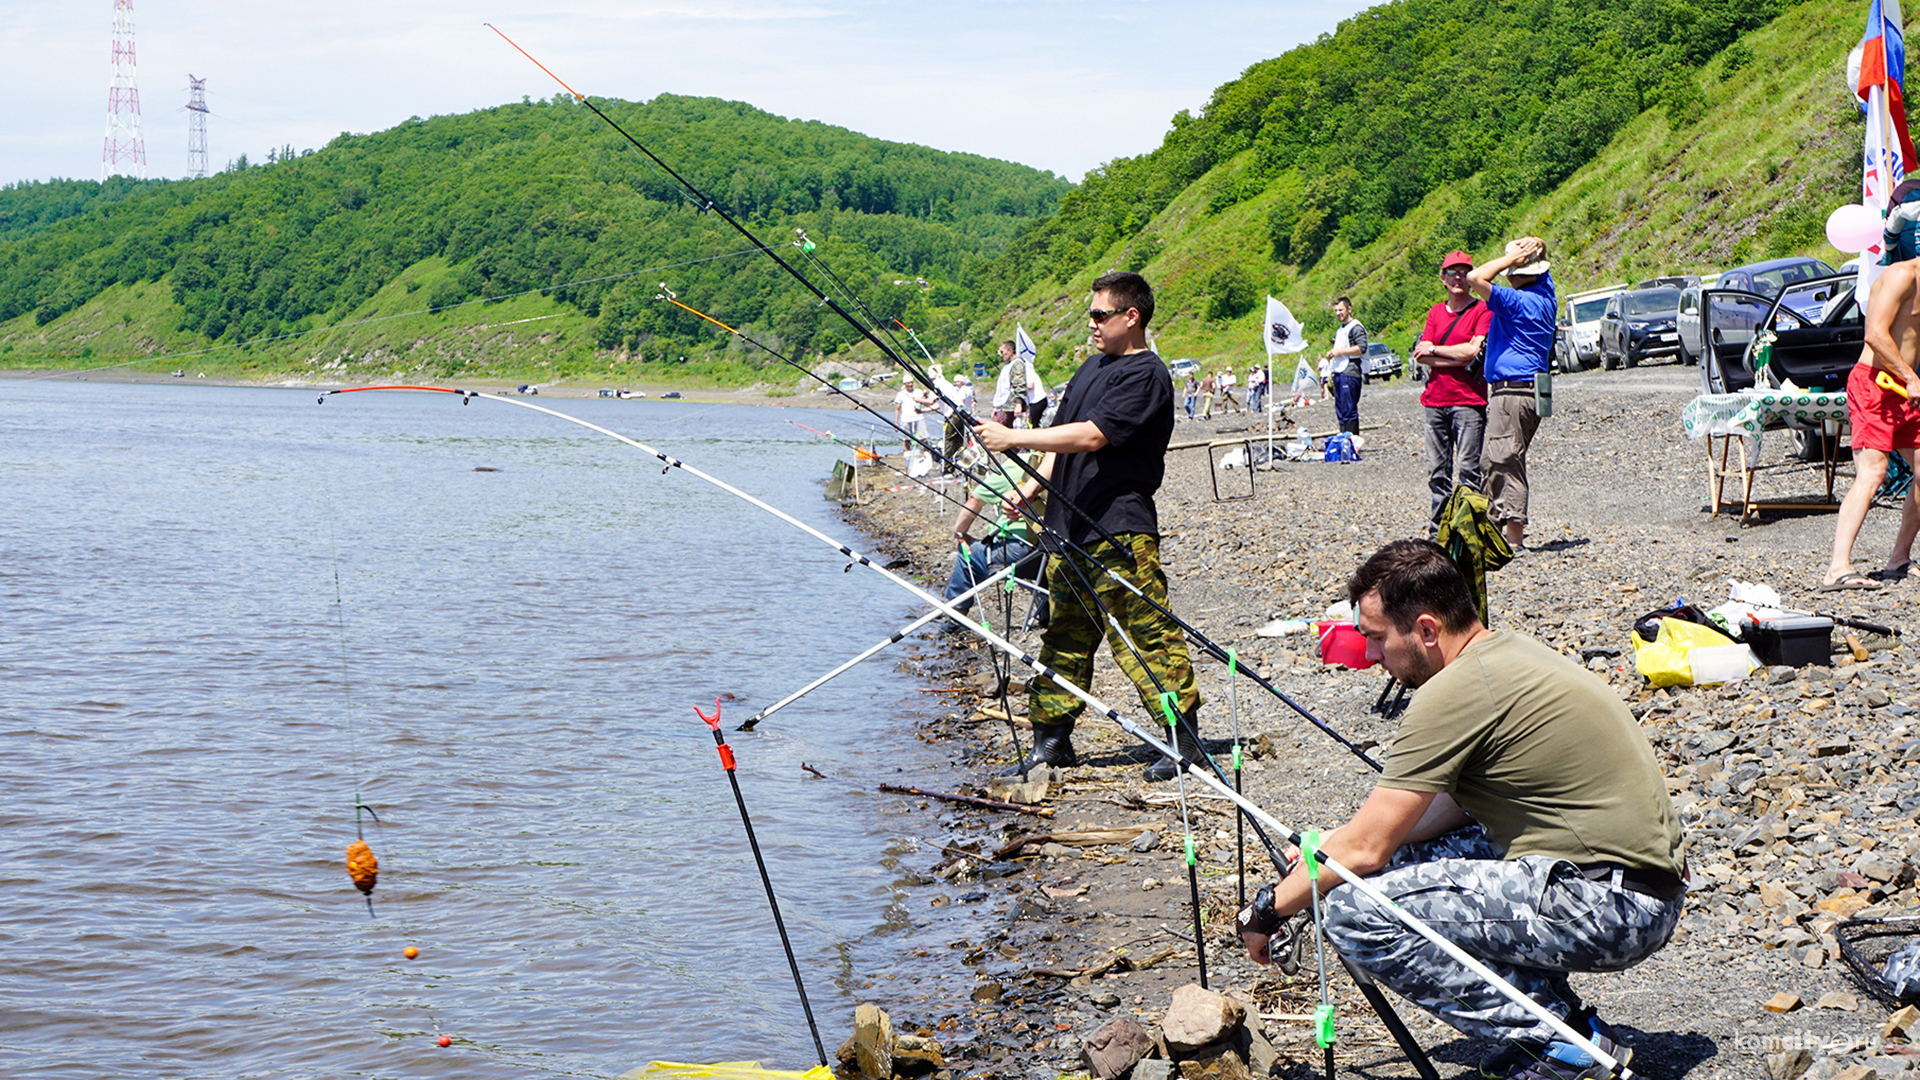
column 1343, row 365
column 1031, row 395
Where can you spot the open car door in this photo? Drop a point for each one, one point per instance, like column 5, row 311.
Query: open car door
column 1728, row 320
column 1818, row 333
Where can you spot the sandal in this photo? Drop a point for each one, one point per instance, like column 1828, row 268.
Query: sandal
column 1893, row 573
column 1848, row 581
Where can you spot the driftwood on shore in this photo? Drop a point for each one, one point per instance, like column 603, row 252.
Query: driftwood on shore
column 1123, row 834
column 970, row 800
column 1122, row 962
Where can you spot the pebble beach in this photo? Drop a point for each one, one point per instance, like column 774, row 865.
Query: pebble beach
column 1796, row 785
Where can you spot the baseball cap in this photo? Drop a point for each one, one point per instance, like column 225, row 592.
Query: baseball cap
column 1457, row 258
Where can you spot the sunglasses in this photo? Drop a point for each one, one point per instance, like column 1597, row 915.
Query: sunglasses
column 1098, row 316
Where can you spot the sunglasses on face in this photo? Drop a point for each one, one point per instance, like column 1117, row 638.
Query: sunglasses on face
column 1097, row 316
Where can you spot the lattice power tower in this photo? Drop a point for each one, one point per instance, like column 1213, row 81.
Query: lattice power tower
column 197, row 128
column 125, row 152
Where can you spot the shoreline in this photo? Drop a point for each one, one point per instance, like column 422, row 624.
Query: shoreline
column 1789, row 784
column 754, row 395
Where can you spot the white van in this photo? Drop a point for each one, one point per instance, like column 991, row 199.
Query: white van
column 1577, row 347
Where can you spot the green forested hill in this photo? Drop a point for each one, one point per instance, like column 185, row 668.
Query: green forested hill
column 505, row 201
column 1639, row 137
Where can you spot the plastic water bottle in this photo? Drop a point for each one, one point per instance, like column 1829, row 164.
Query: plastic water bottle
column 1543, row 392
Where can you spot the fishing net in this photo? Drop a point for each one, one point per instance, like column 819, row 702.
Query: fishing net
column 723, row 1070
column 1869, row 945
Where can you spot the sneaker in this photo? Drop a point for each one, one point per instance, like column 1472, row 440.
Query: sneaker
column 1559, row 1060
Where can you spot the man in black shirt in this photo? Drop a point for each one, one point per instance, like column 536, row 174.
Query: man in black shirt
column 1106, row 454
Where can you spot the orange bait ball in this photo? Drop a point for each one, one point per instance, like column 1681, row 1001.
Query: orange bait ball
column 445, row 1041
column 410, row 952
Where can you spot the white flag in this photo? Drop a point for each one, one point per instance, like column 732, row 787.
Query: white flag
column 1023, row 346
column 1304, row 379
column 1282, row 332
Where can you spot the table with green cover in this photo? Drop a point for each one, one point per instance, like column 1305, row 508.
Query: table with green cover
column 1744, row 417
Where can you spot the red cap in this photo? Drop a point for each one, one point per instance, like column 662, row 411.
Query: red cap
column 1457, row 258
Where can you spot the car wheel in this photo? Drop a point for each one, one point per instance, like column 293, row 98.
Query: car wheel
column 1628, row 359
column 1687, row 358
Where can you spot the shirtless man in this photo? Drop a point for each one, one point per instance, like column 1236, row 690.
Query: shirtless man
column 1884, row 422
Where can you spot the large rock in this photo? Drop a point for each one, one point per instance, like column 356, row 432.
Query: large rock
column 1789, row 1064
column 1197, row 1017
column 1119, row 1045
column 916, row 1055
column 872, row 1042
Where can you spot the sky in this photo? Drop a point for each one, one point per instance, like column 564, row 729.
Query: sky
column 1061, row 85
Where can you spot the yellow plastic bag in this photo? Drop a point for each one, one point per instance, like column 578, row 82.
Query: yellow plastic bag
column 724, row 1070
column 1663, row 661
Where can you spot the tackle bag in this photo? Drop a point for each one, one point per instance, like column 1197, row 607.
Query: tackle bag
column 1662, row 657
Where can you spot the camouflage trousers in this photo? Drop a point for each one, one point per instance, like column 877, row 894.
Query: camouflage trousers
column 1077, row 624
column 1532, row 920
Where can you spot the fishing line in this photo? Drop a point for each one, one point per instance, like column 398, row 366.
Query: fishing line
column 363, row 867
column 707, row 203
column 1260, row 818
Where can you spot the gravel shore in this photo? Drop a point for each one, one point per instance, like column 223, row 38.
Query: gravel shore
column 1796, row 785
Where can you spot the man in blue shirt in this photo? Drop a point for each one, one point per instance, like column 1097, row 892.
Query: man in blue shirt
column 1519, row 347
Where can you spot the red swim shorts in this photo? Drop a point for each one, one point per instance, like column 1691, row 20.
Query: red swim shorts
column 1882, row 419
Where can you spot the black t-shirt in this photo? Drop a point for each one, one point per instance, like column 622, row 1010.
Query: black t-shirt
column 1130, row 399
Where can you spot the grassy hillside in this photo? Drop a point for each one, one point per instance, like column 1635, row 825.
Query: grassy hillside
column 460, row 244
column 1736, row 155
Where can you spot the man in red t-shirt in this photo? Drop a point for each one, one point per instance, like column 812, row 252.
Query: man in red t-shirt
column 1456, row 394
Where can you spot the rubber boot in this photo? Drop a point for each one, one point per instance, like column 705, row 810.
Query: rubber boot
column 1187, row 742
column 1052, row 746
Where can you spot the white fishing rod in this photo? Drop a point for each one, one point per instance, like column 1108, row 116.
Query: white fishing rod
column 1206, row 776
column 883, row 643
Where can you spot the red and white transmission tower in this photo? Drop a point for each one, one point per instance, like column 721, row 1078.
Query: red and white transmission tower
column 124, row 146
column 197, row 128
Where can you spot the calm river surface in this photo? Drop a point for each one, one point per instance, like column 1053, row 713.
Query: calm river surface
column 224, row 611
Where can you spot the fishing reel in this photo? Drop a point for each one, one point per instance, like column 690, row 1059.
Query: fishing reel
column 1286, row 938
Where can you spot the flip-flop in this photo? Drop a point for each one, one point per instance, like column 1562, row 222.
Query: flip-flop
column 1848, row 581
column 1894, row 573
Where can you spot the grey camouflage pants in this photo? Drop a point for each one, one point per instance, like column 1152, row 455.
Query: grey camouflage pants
column 1531, row 919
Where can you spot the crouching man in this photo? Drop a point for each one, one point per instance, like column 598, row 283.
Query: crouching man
column 1521, row 814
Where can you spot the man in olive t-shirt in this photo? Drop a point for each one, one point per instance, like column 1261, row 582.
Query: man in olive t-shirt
column 1521, row 814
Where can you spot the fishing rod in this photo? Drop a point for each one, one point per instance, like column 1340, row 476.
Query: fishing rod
column 1213, row 778
column 1206, row 644
column 746, row 822
column 707, row 203
column 752, row 721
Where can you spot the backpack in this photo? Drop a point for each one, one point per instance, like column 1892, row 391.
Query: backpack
column 1340, row 448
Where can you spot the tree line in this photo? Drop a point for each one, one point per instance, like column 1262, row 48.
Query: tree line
column 533, row 196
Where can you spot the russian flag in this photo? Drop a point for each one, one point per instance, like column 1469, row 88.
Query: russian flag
column 1889, row 154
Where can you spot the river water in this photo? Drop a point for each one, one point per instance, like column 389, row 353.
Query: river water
column 226, row 611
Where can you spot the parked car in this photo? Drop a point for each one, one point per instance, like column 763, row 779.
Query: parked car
column 1578, row 344
column 1183, row 368
column 1677, row 281
column 1638, row 325
column 1758, row 279
column 1381, row 362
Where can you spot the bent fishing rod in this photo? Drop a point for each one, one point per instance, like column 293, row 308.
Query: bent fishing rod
column 1260, row 818
column 855, row 558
